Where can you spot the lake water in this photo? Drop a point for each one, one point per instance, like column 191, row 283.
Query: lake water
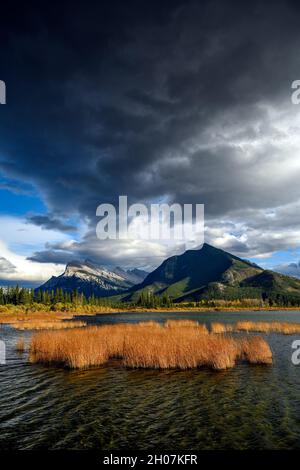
column 111, row 408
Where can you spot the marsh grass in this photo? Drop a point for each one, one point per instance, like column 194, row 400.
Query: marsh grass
column 181, row 323
column 20, row 345
column 187, row 324
column 268, row 327
column 9, row 318
column 256, row 326
column 146, row 345
column 47, row 324
column 150, row 323
column 221, row 328
column 255, row 350
column 40, row 320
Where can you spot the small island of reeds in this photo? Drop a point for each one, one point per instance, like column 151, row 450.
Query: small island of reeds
column 178, row 344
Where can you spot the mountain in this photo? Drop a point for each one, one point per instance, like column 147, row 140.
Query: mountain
column 89, row 279
column 211, row 273
column 135, row 276
column 208, row 273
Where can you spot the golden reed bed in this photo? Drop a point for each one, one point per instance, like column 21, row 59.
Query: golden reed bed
column 268, row 327
column 221, row 328
column 257, row 326
column 8, row 318
column 147, row 345
column 47, row 325
column 40, row 321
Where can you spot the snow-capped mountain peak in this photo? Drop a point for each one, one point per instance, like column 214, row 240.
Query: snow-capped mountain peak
column 90, row 278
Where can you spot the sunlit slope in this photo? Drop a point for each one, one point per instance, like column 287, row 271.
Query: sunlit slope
column 197, row 273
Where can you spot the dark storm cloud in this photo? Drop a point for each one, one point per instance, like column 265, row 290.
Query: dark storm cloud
column 49, row 223
column 51, row 256
column 152, row 100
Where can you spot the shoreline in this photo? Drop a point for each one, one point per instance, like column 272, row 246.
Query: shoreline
column 16, row 315
column 192, row 309
column 108, row 310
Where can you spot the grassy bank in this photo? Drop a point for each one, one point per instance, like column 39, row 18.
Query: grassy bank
column 28, row 312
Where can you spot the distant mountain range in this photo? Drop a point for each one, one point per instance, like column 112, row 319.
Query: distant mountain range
column 208, row 273
column 89, row 279
column 290, row 269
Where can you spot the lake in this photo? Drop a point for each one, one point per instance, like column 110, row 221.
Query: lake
column 112, row 408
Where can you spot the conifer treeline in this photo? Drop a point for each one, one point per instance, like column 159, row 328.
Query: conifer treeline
column 21, row 296
column 58, row 298
column 149, row 300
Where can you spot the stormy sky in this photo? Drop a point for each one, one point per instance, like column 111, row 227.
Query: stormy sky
column 180, row 101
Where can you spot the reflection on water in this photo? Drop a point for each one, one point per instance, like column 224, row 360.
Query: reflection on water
column 114, row 408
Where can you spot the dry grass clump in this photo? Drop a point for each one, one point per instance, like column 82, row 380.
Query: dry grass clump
column 221, row 328
column 39, row 320
column 79, row 348
column 186, row 324
column 20, row 345
column 47, row 325
column 255, row 350
column 202, row 329
column 268, row 327
column 150, row 323
column 180, row 323
column 9, row 318
column 179, row 349
column 146, row 346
